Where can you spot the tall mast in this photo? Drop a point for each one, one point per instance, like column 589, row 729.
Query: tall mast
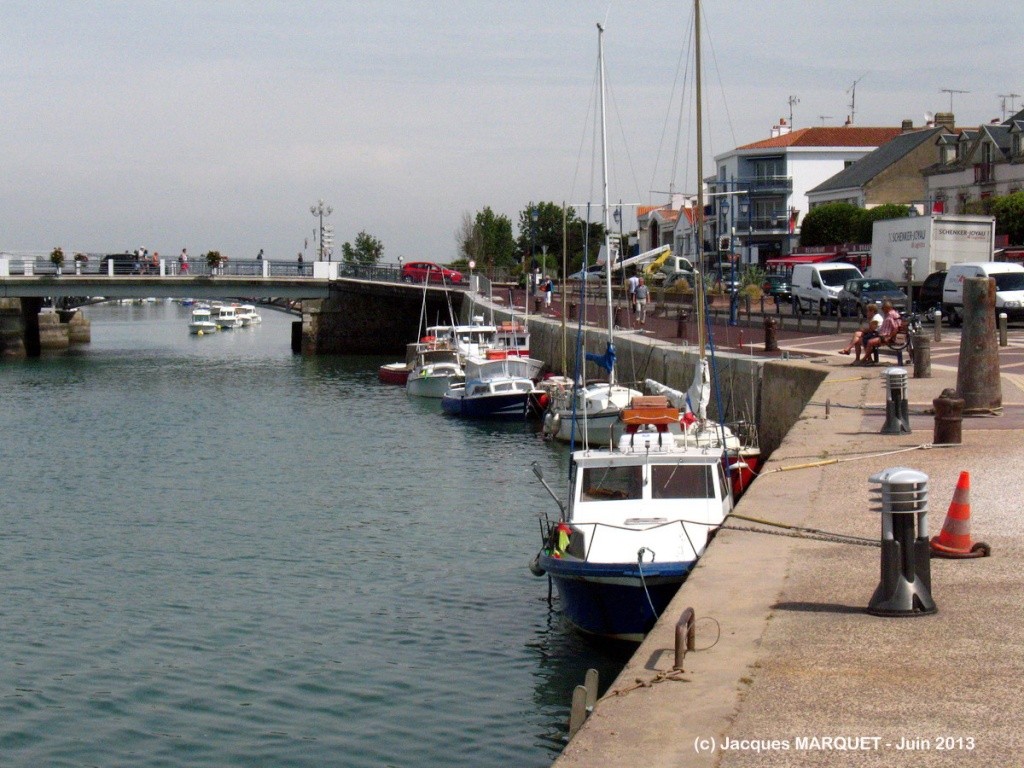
column 699, row 218
column 604, row 184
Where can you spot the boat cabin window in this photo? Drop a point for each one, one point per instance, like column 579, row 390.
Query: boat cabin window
column 612, row 483
column 682, row 481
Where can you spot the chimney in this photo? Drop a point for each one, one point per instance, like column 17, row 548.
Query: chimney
column 945, row 119
column 781, row 129
column 849, row 122
column 908, row 125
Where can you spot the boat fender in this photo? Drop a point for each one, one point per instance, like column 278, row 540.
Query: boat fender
column 551, row 423
column 535, row 568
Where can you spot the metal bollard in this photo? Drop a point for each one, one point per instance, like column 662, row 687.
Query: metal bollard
column 938, row 326
column 574, row 310
column 618, row 317
column 897, row 417
column 681, row 319
column 906, row 581
column 771, row 343
column 949, row 418
column 1002, row 329
column 922, row 356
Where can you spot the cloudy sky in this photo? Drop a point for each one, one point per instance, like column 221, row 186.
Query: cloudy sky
column 216, row 125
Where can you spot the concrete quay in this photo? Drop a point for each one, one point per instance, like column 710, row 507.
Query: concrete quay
column 789, row 669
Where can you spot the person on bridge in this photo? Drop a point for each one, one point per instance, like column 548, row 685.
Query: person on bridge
column 301, row 268
column 183, row 261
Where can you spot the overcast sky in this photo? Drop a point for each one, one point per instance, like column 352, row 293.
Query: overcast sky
column 216, row 125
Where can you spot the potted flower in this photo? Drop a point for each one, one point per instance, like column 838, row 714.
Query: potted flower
column 80, row 261
column 214, row 260
column 57, row 257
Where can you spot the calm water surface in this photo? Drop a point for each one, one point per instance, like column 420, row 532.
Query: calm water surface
column 215, row 553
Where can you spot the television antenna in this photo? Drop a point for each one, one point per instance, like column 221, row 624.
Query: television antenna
column 852, row 90
column 792, row 100
column 823, row 118
column 951, row 91
column 1011, row 97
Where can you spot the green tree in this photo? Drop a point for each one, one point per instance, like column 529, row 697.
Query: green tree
column 547, row 229
column 366, row 252
column 828, row 224
column 1009, row 213
column 487, row 239
column 863, row 223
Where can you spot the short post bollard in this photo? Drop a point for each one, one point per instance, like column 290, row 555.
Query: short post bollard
column 922, row 347
column 949, row 418
column 574, row 310
column 937, row 336
column 681, row 319
column 618, row 317
column 771, row 343
column 897, row 416
column 905, row 588
column 1002, row 329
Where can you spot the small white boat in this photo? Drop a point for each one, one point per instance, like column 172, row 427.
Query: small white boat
column 227, row 317
column 493, row 388
column 248, row 315
column 433, row 373
column 201, row 322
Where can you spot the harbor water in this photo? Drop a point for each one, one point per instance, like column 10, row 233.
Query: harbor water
column 216, row 553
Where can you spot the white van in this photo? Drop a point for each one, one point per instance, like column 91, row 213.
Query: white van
column 818, row 285
column 1009, row 288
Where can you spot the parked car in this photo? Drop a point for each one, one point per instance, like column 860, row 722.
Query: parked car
column 777, row 287
column 856, row 294
column 930, row 296
column 428, row 271
column 593, row 272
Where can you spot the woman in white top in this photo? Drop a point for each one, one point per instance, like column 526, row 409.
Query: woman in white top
column 863, row 335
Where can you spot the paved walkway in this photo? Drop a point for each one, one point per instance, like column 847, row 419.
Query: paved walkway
column 789, row 669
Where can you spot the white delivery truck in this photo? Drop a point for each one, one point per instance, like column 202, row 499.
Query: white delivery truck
column 907, row 250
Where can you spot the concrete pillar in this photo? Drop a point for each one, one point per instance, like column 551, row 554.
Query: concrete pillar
column 53, row 334
column 12, row 330
column 977, row 376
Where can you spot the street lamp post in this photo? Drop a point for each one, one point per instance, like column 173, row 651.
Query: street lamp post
column 320, row 210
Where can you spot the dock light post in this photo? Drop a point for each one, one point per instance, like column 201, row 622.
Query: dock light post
column 320, row 210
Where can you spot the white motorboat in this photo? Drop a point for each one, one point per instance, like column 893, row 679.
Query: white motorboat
column 227, row 317
column 434, row 372
column 201, row 321
column 494, row 388
column 248, row 315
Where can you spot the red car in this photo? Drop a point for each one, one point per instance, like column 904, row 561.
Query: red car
column 422, row 271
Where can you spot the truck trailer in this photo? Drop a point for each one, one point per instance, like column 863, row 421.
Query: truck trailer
column 907, row 250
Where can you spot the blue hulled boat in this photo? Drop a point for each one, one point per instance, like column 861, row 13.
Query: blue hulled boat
column 639, row 517
column 495, row 388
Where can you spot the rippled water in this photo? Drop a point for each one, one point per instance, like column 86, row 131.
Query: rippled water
column 215, row 553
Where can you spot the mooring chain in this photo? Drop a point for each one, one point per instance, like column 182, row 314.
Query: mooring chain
column 835, row 538
column 672, row 675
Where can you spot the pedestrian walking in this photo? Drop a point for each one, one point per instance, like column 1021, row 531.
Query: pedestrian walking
column 633, row 282
column 642, row 293
column 301, row 267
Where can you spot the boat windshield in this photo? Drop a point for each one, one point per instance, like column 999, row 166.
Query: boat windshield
column 682, row 481
column 612, row 483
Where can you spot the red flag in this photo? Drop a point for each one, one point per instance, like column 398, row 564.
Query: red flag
column 793, row 214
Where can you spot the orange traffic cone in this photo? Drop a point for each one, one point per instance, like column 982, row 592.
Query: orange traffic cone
column 954, row 540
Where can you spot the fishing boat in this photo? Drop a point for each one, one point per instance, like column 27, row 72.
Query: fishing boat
column 201, row 321
column 496, row 388
column 639, row 516
column 434, row 371
column 398, row 373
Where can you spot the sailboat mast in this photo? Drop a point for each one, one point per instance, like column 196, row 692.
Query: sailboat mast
column 604, row 184
column 699, row 218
